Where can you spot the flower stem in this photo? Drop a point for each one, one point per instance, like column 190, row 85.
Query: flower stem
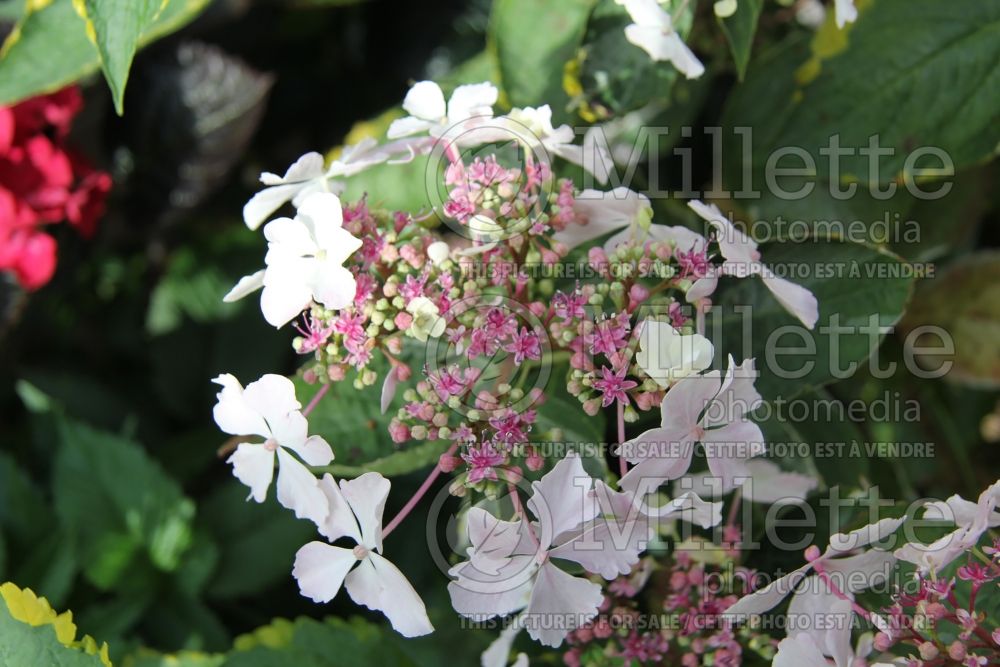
column 519, row 510
column 622, row 463
column 858, row 609
column 412, row 502
column 317, row 397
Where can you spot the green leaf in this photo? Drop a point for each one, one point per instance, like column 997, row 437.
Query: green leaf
column 147, row 658
column 40, row 555
column 28, row 66
column 414, row 457
column 739, row 30
column 965, row 303
column 24, row 515
column 534, row 41
column 115, row 26
column 310, row 643
column 242, row 527
column 612, row 76
column 189, row 287
column 119, row 503
column 31, row 633
column 853, row 283
column 352, row 422
column 835, row 447
column 915, row 72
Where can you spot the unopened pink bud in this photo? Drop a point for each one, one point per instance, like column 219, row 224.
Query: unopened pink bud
column 535, row 462
column 646, row 400
column 398, row 431
column 412, row 257
column 882, row 642
column 403, row 320
column 592, row 406
column 337, row 372
column 309, row 376
column 513, row 474
column 598, row 259
column 812, row 553
column 935, row 611
column 956, row 651
column 638, row 293
column 928, row 651
column 602, row 629
column 549, row 257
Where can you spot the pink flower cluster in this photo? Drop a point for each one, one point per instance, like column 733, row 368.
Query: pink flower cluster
column 691, row 632
column 944, row 622
column 43, row 182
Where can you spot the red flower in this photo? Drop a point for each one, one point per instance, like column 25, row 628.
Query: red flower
column 42, row 182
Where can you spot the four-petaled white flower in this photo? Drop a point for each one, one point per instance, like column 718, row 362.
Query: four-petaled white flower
column 305, row 262
column 705, row 408
column 653, row 31
column 532, row 126
column 598, row 213
column 765, row 483
column 742, row 259
column 801, row 650
column 470, row 106
column 307, row 176
column 972, row 520
column 667, row 356
column 816, row 608
column 268, row 409
column 511, row 566
column 355, row 511
column 304, row 177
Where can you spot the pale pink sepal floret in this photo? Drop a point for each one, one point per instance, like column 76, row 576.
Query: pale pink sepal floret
column 268, row 409
column 355, row 510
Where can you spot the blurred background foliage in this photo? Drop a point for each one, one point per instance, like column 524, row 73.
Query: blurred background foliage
column 113, row 500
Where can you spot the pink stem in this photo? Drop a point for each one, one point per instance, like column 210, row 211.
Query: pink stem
column 858, row 609
column 412, row 502
column 622, row 463
column 451, row 152
column 316, row 399
column 516, row 500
